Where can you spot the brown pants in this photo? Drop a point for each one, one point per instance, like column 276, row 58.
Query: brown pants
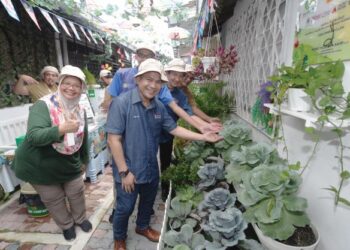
column 53, row 196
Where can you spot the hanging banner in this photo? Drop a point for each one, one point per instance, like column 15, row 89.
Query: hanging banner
column 10, row 9
column 323, row 31
column 30, row 12
column 63, row 25
column 93, row 38
column 82, row 30
column 49, row 19
column 74, row 30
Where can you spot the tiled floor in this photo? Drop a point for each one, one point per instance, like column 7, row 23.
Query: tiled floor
column 19, row 231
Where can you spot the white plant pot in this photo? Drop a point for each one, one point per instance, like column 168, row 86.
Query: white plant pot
column 207, row 61
column 298, row 100
column 272, row 244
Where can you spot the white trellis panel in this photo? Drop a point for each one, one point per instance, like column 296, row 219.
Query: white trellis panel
column 262, row 31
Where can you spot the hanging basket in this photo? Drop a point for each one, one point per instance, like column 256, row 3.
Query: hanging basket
column 207, row 61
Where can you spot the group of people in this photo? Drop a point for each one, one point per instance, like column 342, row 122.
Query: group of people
column 143, row 105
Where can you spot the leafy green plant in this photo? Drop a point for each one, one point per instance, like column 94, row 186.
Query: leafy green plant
column 185, row 239
column 269, row 194
column 196, row 152
column 248, row 158
column 217, row 199
column 189, row 193
column 211, row 100
column 179, row 212
column 235, row 135
column 211, row 172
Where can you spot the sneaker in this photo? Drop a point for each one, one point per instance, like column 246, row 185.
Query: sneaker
column 86, row 226
column 111, row 216
column 69, row 234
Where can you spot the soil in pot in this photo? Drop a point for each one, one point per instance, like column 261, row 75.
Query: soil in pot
column 303, row 236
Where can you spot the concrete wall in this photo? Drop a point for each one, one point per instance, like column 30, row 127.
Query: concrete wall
column 331, row 221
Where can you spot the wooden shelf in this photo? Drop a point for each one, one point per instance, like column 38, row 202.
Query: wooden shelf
column 309, row 117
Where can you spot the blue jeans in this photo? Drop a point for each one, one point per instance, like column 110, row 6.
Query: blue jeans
column 125, row 204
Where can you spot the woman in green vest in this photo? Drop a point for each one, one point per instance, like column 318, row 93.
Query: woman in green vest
column 54, row 149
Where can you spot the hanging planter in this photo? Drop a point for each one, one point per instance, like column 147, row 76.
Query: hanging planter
column 208, row 61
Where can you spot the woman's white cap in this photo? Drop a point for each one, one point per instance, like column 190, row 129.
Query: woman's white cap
column 70, row 70
column 175, row 65
column 49, row 69
column 152, row 65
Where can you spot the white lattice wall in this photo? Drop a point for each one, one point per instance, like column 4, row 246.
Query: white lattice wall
column 262, row 31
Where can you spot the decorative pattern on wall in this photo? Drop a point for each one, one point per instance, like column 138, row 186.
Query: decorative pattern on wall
column 258, row 29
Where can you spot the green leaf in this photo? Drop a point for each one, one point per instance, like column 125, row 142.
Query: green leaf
column 295, row 166
column 309, row 130
column 181, row 247
column 344, row 201
column 345, row 175
column 295, row 204
column 337, row 89
column 322, row 118
column 332, row 189
column 324, row 101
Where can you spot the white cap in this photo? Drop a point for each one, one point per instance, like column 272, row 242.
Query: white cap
column 70, row 70
column 49, row 69
column 188, row 68
column 152, row 65
column 105, row 73
column 175, row 65
column 147, row 47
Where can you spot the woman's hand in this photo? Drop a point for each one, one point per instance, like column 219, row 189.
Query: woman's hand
column 128, row 183
column 68, row 126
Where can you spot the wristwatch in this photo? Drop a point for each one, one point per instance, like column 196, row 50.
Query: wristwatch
column 123, row 174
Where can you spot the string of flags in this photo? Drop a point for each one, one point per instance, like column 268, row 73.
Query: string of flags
column 203, row 20
column 48, row 16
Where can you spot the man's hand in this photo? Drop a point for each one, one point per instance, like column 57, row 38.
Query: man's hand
column 212, row 137
column 211, row 127
column 214, row 120
column 128, row 183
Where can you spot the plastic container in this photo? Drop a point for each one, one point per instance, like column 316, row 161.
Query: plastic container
column 35, row 207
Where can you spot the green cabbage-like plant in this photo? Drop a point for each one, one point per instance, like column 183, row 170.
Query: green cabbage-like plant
column 179, row 213
column 226, row 227
column 250, row 157
column 235, row 135
column 269, row 194
column 184, row 238
column 211, row 172
column 189, row 193
column 217, row 199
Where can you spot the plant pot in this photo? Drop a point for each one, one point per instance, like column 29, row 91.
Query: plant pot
column 298, row 100
column 207, row 61
column 272, row 244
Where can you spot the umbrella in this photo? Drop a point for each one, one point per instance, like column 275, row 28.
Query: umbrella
column 177, row 33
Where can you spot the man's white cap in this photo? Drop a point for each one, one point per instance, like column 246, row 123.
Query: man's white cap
column 147, row 47
column 175, row 65
column 105, row 73
column 70, row 70
column 49, row 69
column 152, row 65
column 188, row 68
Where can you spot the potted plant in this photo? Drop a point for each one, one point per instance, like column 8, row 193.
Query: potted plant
column 269, row 194
column 291, row 81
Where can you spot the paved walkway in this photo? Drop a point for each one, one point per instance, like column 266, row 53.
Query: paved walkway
column 19, row 231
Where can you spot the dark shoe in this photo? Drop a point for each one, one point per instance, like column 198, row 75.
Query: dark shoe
column 69, row 234
column 119, row 245
column 149, row 233
column 85, row 226
column 111, row 216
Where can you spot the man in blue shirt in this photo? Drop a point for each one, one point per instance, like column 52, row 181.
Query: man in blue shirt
column 123, row 81
column 134, row 126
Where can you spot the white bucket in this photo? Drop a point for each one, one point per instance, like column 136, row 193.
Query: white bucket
column 298, row 100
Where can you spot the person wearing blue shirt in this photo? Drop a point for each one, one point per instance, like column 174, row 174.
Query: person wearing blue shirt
column 134, row 126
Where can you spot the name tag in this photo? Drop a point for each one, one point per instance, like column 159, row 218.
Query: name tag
column 125, row 85
column 136, row 116
column 157, row 116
